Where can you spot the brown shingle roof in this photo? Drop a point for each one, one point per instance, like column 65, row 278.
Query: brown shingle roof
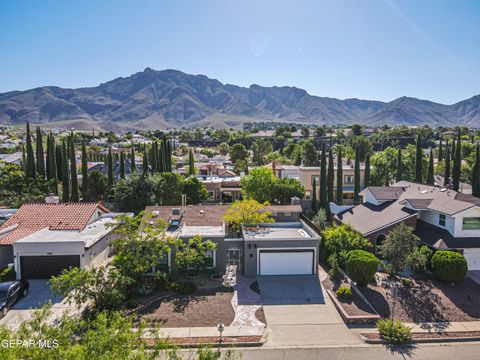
column 31, row 218
column 385, row 193
column 194, row 215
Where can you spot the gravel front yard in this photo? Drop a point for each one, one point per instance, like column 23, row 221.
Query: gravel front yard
column 203, row 308
column 428, row 300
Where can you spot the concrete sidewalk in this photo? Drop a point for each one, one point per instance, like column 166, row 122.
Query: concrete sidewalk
column 209, row 331
column 426, row 327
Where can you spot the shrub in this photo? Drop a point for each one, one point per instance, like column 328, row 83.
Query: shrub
column 418, row 260
column 8, row 274
column 361, row 266
column 406, row 282
column 449, row 266
column 394, row 331
column 183, row 287
column 344, row 293
column 334, row 267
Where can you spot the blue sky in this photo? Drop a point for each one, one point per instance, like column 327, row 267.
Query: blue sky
column 378, row 49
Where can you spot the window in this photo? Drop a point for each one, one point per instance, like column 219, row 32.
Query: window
column 348, row 179
column 307, row 194
column 441, row 219
column 210, row 263
column 287, row 214
column 317, row 180
column 471, row 223
column 348, row 196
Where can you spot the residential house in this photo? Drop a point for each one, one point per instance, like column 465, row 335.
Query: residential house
column 285, row 247
column 441, row 218
column 223, row 188
column 43, row 239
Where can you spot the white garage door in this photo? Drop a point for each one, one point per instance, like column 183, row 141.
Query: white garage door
column 286, row 262
column 473, row 258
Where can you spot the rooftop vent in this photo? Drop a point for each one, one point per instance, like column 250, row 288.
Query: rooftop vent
column 176, row 211
column 443, row 189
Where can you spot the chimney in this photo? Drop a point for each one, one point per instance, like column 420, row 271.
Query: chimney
column 52, row 199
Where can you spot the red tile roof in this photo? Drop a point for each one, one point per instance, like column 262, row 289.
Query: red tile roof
column 31, row 218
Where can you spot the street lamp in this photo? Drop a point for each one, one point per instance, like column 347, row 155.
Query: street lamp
column 220, row 328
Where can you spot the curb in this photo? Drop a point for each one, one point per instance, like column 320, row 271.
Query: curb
column 424, row 341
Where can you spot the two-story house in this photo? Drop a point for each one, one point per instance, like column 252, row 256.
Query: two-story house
column 441, row 218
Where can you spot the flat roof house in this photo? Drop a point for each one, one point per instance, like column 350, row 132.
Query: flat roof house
column 285, row 247
column 43, row 239
column 441, row 218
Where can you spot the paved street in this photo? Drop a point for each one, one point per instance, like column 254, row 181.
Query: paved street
column 299, row 313
column 465, row 351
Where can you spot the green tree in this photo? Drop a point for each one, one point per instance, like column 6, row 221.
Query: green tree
column 258, row 184
column 133, row 166
column 97, row 187
column 30, row 157
column 168, row 188
column 330, row 177
column 145, row 162
column 314, row 195
column 285, row 189
column 122, row 165
column 110, row 180
column 449, row 266
column 399, row 174
column 84, row 171
column 223, row 149
column 440, row 151
column 309, row 153
column 476, row 173
column 398, row 246
column 323, row 179
column 65, row 176
column 430, row 174
column 339, row 240
column 191, row 163
column 238, row 152
column 457, row 163
column 367, row 171
column 52, row 161
column 105, row 288
column 195, row 190
column 356, row 185
column 246, row 212
column 446, row 173
column 339, row 177
column 194, row 253
column 260, row 149
column 361, row 266
column 133, row 194
column 40, row 153
column 59, row 161
column 320, row 219
column 74, row 197
column 419, row 161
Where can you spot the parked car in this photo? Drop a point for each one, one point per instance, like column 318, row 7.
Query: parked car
column 10, row 292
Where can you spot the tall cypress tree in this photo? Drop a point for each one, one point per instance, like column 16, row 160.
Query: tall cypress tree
column 440, row 150
column 457, row 163
column 59, row 161
column 330, row 177
column 30, row 161
column 84, row 170
column 191, row 163
column 145, row 162
column 367, row 170
column 446, row 172
column 418, row 161
column 430, row 177
column 314, row 195
column 74, row 197
column 452, row 152
column 47, row 159
column 110, row 168
column 356, row 189
column 122, row 166
column 399, row 174
column 52, row 162
column 65, row 180
column 133, row 165
column 339, row 176
column 40, row 153
column 323, row 179
column 24, row 159
column 476, row 173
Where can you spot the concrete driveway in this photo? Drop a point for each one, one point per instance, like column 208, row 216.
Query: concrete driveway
column 39, row 294
column 475, row 275
column 299, row 313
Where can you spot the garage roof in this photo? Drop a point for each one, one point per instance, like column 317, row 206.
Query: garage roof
column 31, row 218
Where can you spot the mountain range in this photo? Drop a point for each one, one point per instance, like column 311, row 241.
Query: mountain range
column 172, row 99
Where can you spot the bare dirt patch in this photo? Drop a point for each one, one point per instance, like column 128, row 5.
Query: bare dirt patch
column 427, row 300
column 207, row 307
column 354, row 307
